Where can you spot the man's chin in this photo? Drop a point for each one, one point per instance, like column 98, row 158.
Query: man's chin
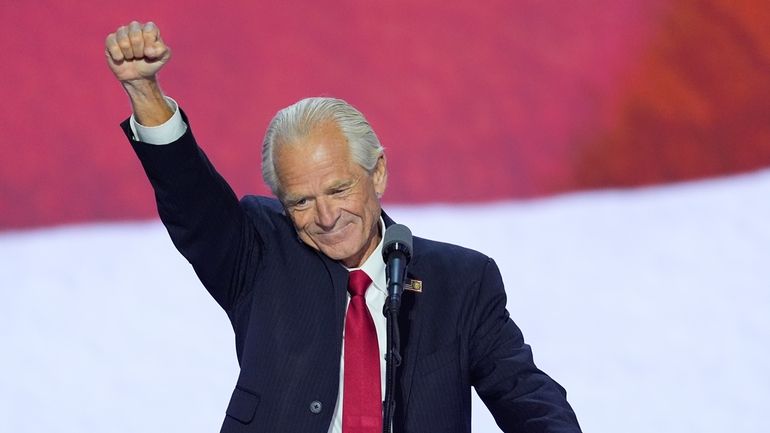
column 334, row 253
column 349, row 259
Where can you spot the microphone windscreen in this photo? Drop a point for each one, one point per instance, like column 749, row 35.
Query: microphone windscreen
column 397, row 236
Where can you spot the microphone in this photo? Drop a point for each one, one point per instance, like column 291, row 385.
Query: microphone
column 396, row 252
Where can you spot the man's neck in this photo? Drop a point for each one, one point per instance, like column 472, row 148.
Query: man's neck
column 374, row 250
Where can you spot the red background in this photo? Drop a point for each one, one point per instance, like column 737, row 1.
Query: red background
column 474, row 101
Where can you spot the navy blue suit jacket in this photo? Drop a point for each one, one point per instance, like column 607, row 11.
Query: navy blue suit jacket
column 286, row 302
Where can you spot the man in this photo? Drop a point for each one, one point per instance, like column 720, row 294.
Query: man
column 302, row 279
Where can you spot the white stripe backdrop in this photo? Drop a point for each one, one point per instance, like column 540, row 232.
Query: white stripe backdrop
column 651, row 306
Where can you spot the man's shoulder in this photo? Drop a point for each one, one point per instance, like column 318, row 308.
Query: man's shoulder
column 266, row 212
column 447, row 255
column 268, row 204
column 452, row 275
column 432, row 246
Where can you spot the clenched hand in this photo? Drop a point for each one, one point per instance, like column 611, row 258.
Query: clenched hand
column 136, row 51
column 135, row 54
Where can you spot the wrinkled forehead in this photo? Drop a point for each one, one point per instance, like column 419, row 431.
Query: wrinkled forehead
column 322, row 156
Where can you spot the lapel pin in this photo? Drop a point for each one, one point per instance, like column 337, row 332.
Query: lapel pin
column 413, row 285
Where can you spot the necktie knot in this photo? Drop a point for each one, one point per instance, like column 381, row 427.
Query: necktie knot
column 358, row 282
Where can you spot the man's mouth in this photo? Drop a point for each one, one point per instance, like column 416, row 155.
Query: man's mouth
column 336, row 235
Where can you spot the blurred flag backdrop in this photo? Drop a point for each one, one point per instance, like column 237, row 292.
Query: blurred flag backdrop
column 475, row 102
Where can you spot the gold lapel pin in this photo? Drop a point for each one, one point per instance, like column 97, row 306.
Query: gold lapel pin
column 413, row 285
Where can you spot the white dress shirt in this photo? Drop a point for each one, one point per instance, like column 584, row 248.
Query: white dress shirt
column 375, row 295
column 374, row 266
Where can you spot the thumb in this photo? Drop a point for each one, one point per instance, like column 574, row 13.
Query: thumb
column 154, row 47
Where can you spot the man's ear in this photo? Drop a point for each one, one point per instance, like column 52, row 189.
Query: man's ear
column 380, row 175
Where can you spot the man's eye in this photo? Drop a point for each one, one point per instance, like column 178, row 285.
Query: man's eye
column 299, row 204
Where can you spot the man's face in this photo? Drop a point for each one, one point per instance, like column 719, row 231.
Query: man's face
column 333, row 202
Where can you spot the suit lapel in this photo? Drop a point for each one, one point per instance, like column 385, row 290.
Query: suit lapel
column 339, row 279
column 410, row 325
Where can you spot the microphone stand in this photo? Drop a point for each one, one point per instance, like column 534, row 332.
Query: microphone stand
column 396, row 251
column 392, row 356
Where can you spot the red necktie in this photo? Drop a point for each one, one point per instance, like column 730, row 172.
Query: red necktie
column 361, row 406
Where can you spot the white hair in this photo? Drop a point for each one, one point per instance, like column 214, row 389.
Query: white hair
column 300, row 119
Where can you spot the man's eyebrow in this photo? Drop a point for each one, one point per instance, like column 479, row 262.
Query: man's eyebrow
column 342, row 184
column 292, row 199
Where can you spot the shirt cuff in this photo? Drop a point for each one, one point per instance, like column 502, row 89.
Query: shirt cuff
column 165, row 133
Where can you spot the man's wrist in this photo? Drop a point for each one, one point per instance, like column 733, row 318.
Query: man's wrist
column 147, row 101
column 164, row 133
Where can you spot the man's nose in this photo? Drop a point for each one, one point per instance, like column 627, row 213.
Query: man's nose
column 326, row 213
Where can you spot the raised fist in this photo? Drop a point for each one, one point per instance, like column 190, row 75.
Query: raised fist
column 136, row 52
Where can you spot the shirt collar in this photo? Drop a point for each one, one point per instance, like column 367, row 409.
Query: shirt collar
column 374, row 266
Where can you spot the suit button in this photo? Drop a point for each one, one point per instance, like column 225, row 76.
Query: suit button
column 316, row 406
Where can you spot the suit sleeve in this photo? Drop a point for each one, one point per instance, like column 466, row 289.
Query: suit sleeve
column 202, row 215
column 520, row 396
